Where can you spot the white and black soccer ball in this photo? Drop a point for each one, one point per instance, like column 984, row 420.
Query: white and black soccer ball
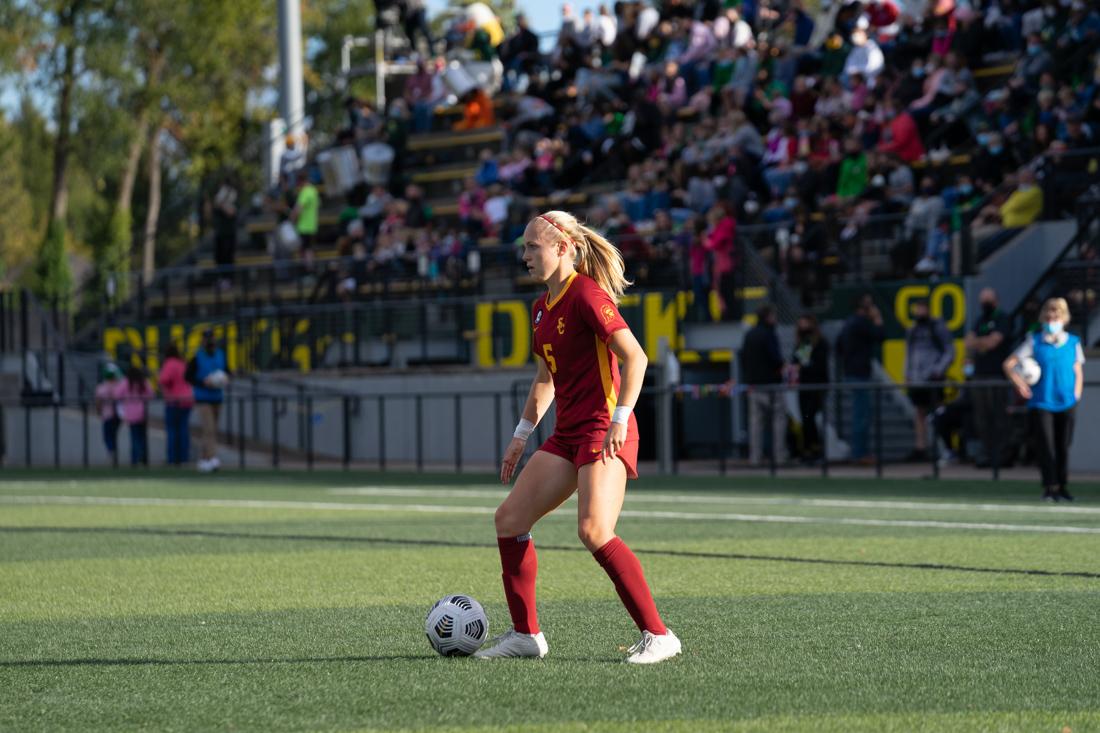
column 217, row 379
column 456, row 626
column 1029, row 370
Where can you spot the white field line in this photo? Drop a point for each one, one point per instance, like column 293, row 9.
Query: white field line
column 445, row 509
column 648, row 498
column 645, row 497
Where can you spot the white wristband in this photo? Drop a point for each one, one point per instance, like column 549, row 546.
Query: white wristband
column 524, row 429
column 621, row 414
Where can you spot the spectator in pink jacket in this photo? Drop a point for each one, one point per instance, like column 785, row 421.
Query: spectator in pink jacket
column 698, row 261
column 720, row 242
column 178, row 401
column 105, row 407
column 131, row 394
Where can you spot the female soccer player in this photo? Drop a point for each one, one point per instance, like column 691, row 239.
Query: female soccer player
column 579, row 338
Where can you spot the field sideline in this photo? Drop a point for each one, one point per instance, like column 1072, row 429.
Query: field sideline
column 294, row 601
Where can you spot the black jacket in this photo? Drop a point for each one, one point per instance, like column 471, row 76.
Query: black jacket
column 813, row 362
column 858, row 344
column 761, row 362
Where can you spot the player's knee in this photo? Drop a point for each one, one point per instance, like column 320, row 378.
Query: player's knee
column 508, row 523
column 593, row 534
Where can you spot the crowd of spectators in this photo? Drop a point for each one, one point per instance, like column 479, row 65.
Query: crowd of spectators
column 974, row 420
column 713, row 117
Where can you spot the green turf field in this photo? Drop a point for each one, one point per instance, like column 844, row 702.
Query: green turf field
column 296, row 602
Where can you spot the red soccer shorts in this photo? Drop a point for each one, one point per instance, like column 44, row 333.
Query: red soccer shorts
column 585, row 452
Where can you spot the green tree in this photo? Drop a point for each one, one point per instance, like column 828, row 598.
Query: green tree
column 19, row 234
column 53, row 278
column 214, row 54
column 55, row 40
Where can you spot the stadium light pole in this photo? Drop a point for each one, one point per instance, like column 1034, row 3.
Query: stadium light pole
column 291, row 105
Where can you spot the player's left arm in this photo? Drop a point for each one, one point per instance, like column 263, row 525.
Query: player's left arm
column 634, row 362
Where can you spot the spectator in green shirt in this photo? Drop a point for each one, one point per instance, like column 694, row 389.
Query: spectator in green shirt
column 852, row 180
column 307, row 210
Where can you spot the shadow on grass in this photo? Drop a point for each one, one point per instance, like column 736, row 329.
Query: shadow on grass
column 183, row 662
column 348, row 539
column 92, row 662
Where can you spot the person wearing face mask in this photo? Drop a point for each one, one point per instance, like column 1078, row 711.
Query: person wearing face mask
column 1034, row 62
column 987, row 346
column 901, row 136
column 917, row 233
column 911, row 86
column 1051, row 401
column 993, row 162
column 1025, row 204
column 929, row 351
column 811, row 360
column 852, row 178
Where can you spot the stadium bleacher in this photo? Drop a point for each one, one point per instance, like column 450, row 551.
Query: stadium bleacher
column 593, row 95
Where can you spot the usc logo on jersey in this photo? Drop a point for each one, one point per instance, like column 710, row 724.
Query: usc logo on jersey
column 561, row 326
column 608, row 313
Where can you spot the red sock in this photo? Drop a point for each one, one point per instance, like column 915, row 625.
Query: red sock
column 520, row 566
column 626, row 573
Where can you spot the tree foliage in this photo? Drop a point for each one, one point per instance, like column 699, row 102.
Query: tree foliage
column 109, row 80
column 137, row 67
column 18, row 235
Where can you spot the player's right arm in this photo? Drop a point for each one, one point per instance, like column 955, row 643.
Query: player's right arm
column 538, row 402
column 541, row 394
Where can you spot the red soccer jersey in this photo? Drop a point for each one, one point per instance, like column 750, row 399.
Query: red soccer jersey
column 571, row 335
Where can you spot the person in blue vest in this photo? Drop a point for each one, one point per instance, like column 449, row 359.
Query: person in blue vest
column 208, row 372
column 1052, row 400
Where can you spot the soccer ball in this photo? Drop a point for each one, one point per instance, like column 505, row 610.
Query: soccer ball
column 456, row 626
column 216, row 379
column 1029, row 370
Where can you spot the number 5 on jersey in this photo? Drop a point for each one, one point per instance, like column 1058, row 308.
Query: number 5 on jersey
column 548, row 355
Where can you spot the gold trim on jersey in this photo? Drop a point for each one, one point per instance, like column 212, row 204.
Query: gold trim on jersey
column 605, row 376
column 551, row 303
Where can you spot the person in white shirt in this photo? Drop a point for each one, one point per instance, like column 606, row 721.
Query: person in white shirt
column 609, row 27
column 866, row 58
column 730, row 30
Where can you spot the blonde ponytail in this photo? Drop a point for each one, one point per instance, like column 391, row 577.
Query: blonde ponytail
column 597, row 258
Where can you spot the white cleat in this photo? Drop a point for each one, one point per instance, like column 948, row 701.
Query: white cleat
column 515, row 644
column 653, row 648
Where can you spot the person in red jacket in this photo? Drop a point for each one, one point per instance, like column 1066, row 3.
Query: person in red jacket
column 883, row 17
column 901, row 136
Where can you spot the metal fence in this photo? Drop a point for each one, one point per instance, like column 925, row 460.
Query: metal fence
column 702, row 426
